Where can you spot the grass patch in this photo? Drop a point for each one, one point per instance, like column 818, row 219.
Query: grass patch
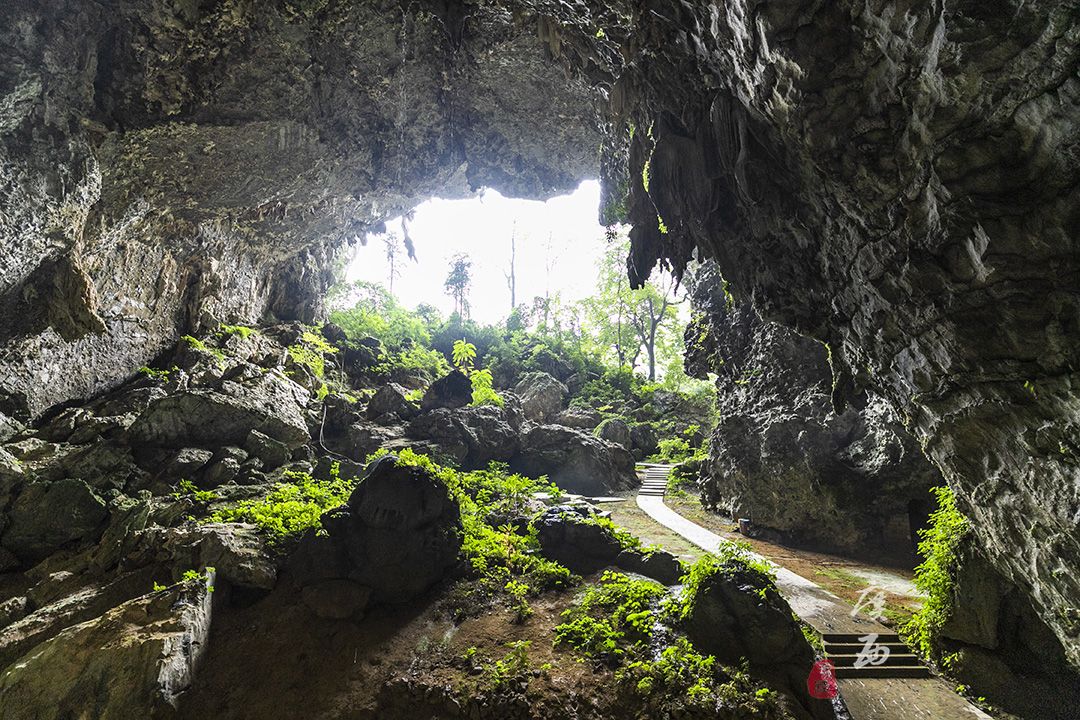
column 843, row 577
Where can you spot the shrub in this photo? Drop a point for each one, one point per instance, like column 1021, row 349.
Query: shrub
column 673, row 450
column 939, row 545
column 291, row 507
column 613, row 617
column 513, row 667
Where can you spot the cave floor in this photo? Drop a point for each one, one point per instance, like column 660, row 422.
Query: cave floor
column 825, row 611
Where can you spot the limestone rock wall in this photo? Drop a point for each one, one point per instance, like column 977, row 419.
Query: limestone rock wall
column 900, row 180
column 853, row 481
column 168, row 166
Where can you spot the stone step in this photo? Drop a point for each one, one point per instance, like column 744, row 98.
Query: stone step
column 884, row 671
column 906, row 659
column 855, row 647
column 884, row 638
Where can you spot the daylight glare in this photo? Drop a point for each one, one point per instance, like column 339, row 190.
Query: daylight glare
column 558, row 245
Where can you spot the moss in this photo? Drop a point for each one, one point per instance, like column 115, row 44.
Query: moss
column 242, row 330
column 196, row 344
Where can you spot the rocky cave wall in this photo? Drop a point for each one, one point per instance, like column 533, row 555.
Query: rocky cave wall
column 897, row 179
column 166, row 166
column 853, row 481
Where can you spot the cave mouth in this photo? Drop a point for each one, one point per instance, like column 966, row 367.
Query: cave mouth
column 519, row 250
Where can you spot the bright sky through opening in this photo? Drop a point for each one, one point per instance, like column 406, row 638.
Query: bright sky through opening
column 481, row 228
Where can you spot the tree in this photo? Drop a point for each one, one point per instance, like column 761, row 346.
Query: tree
column 393, row 248
column 458, row 281
column 654, row 308
column 511, row 277
column 633, row 322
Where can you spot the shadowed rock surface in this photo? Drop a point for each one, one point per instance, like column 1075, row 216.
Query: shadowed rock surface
column 780, row 455
column 398, row 535
column 133, row 661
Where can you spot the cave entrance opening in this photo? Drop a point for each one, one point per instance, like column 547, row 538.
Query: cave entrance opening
column 514, row 288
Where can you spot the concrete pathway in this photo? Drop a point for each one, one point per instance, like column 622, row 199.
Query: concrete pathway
column 866, row 699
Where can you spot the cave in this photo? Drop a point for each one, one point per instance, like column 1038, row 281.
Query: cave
column 887, row 195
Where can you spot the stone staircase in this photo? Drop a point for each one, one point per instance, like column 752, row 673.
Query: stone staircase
column 844, row 648
column 655, row 480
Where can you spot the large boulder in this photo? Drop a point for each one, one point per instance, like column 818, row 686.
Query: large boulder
column 473, row 436
column 568, row 536
column 270, row 403
column 397, row 536
column 390, row 400
column 452, row 390
column 643, row 440
column 134, row 661
column 235, row 550
column 541, row 396
column 737, row 613
column 615, row 431
column 49, row 515
column 577, row 461
column 581, row 418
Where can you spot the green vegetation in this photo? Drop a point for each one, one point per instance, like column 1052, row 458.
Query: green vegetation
column 155, row 374
column 503, row 558
column 189, row 576
column 615, row 341
column 242, row 330
column 514, row 667
column 311, row 351
column 813, row 637
column 623, row 623
column 614, row 617
column 186, row 488
column 939, row 546
column 292, row 506
column 483, row 393
column 681, row 480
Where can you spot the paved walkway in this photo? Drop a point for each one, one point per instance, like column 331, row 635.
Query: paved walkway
column 866, row 699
